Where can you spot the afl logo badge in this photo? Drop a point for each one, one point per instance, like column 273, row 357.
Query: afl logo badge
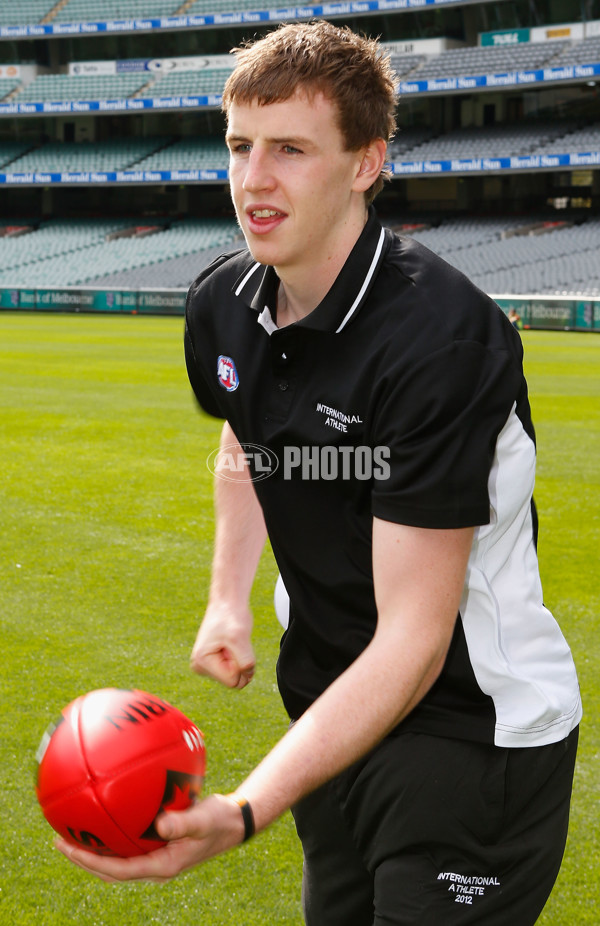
column 227, row 373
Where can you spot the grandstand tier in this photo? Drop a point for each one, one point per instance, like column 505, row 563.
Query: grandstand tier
column 113, row 166
column 500, row 254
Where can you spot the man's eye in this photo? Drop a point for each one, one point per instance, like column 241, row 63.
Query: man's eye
column 289, row 149
column 241, row 148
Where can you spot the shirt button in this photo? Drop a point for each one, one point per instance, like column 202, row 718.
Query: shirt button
column 283, row 386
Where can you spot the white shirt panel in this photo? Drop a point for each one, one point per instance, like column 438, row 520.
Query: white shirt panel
column 518, row 653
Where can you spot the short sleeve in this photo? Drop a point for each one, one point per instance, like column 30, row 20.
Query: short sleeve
column 198, row 335
column 438, row 420
column 199, row 384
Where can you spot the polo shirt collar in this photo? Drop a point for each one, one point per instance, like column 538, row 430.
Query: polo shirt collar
column 258, row 285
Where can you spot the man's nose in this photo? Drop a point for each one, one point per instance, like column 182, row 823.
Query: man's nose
column 259, row 174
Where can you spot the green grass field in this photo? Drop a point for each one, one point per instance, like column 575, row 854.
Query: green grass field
column 105, row 545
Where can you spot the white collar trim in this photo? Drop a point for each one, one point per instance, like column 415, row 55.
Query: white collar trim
column 266, row 320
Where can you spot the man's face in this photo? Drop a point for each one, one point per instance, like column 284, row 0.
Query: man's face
column 292, row 182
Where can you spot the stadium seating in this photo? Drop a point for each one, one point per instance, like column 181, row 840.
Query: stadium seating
column 113, row 154
column 53, row 239
column 205, row 153
column 579, row 140
column 24, row 12
column 408, row 140
column 188, row 154
column 179, row 83
column 7, row 86
column 585, row 52
column 176, row 272
column 501, row 255
column 203, row 7
column 59, row 87
column 151, row 153
column 101, row 10
column 498, row 253
column 562, row 261
column 62, row 87
column 463, row 61
column 10, row 151
column 70, row 252
column 405, row 65
column 105, row 10
column 474, row 60
column 490, row 141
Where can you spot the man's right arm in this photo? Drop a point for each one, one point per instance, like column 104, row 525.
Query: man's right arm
column 223, row 648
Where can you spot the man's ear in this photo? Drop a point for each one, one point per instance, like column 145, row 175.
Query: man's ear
column 371, row 165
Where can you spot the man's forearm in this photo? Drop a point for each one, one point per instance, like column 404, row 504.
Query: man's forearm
column 349, row 719
column 419, row 577
column 240, row 532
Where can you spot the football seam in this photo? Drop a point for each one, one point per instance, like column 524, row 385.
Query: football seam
column 124, row 767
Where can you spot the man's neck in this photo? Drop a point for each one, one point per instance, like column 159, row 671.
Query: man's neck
column 302, row 289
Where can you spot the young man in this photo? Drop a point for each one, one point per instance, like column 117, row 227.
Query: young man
column 434, row 699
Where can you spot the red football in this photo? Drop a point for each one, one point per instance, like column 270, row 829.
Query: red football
column 114, row 759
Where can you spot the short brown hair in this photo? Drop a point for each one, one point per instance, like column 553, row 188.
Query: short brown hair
column 348, row 69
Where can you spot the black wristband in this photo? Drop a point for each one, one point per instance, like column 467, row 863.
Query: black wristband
column 247, row 817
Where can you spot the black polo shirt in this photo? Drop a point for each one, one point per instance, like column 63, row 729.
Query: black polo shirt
column 387, row 400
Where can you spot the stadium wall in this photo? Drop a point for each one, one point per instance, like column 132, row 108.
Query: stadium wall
column 90, row 299
column 535, row 312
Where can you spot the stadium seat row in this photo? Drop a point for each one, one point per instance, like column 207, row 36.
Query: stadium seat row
column 69, row 252
column 206, row 153
column 505, row 254
column 470, row 61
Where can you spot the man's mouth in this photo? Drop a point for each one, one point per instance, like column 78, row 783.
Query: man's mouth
column 264, row 213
